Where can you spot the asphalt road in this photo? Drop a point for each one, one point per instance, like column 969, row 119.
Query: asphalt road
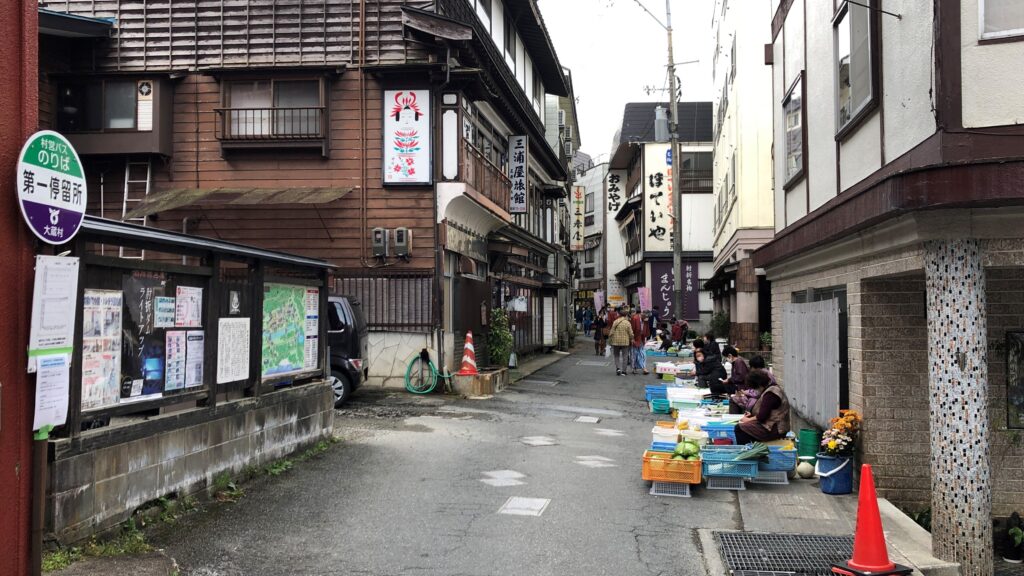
column 402, row 493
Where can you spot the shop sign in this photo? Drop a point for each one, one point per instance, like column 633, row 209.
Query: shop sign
column 51, row 187
column 518, row 169
column 407, row 148
column 577, row 241
column 657, row 199
column 663, row 281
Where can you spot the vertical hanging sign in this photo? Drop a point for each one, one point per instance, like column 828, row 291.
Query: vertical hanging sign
column 576, row 242
column 657, row 199
column 407, row 149
column 519, row 156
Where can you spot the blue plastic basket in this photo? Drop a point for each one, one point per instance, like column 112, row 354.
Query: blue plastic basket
column 718, row 461
column 663, row 447
column 654, row 391
column 720, row 430
column 660, row 406
column 779, row 460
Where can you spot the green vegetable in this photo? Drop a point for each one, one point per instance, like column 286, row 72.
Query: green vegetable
column 678, row 457
column 756, row 451
column 687, row 448
column 693, row 458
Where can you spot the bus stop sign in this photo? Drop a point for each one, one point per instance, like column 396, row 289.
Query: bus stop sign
column 51, row 187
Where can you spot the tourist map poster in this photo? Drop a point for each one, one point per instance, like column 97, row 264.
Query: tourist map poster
column 290, row 329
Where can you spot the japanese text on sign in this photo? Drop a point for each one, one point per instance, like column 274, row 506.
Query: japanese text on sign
column 51, row 187
column 614, row 192
column 576, row 240
column 657, row 198
column 518, row 170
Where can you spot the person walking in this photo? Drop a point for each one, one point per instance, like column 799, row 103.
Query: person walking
column 641, row 332
column 588, row 320
column 579, row 317
column 620, row 337
column 600, row 332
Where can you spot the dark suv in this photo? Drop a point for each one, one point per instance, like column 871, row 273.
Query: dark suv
column 347, row 336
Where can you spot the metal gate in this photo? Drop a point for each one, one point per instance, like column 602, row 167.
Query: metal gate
column 811, row 345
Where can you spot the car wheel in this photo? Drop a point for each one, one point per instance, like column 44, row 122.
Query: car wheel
column 341, row 386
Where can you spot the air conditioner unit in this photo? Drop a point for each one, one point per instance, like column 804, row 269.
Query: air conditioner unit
column 568, row 149
column 561, row 118
column 568, row 131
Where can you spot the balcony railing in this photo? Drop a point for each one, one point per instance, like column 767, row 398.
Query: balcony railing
column 486, row 178
column 693, row 181
column 271, row 124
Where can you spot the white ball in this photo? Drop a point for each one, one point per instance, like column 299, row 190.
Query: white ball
column 805, row 470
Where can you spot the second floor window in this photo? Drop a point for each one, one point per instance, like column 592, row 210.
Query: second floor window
column 1002, row 18
column 793, row 117
column 588, row 203
column 854, row 86
column 98, row 105
column 510, row 38
column 274, row 108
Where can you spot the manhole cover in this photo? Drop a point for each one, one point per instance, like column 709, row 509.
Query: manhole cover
column 777, row 554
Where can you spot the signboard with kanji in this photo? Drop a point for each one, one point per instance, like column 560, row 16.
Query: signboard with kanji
column 663, row 287
column 576, row 240
column 518, row 168
column 51, row 187
column 657, row 199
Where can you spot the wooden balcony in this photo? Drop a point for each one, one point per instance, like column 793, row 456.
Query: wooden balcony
column 483, row 176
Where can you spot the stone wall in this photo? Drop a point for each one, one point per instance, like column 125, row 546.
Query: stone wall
column 390, row 353
column 98, row 481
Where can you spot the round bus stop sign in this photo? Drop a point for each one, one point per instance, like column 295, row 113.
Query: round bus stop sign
column 51, row 187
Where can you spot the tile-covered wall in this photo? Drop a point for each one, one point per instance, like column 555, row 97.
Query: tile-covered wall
column 959, row 414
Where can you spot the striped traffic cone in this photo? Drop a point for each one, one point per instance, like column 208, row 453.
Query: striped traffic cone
column 468, row 357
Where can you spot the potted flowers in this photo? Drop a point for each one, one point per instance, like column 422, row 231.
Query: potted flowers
column 835, row 466
column 1014, row 540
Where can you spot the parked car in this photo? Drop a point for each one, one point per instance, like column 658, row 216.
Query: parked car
column 348, row 339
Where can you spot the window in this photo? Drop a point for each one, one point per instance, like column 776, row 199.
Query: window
column 483, row 10
column 793, row 118
column 510, row 38
column 567, row 129
column 97, row 106
column 561, row 117
column 1001, row 18
column 568, row 148
column 274, row 108
column 854, row 75
column 538, row 88
column 589, row 256
column 588, row 203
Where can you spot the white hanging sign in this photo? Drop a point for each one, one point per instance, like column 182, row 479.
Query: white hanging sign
column 407, row 153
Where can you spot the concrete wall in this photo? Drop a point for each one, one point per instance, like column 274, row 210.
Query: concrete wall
column 120, row 469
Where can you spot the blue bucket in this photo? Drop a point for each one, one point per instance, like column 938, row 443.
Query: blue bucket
column 835, row 474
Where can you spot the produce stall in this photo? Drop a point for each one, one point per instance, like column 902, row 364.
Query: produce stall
column 698, row 445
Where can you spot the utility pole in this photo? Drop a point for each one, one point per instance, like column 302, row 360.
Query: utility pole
column 677, row 197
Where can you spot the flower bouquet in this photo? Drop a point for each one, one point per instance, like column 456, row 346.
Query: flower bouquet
column 839, row 439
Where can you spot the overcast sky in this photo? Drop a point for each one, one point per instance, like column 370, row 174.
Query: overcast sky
column 615, row 50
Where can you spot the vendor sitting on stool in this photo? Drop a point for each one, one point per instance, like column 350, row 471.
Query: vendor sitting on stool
column 769, row 418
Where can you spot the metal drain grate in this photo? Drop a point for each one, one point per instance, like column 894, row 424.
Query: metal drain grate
column 776, row 554
column 670, row 489
column 778, row 477
column 725, row 483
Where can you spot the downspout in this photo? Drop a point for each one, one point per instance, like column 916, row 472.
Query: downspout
column 362, row 136
column 438, row 252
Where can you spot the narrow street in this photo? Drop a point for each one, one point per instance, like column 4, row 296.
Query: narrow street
column 404, row 493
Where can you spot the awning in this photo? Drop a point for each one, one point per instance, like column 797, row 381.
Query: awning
column 53, row 23
column 165, row 200
column 635, row 202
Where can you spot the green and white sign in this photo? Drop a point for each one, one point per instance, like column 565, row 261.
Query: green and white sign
column 51, row 187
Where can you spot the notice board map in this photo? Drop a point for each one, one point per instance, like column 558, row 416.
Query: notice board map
column 290, row 328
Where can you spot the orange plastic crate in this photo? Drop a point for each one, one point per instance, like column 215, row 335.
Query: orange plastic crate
column 668, row 470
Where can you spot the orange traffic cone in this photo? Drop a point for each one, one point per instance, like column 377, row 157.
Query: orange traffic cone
column 468, row 358
column 870, row 555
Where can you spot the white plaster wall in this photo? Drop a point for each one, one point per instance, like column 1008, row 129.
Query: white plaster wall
column 796, row 202
column 705, row 270
column 992, row 75
column 698, row 222
column 821, row 104
column 593, row 181
column 753, row 82
column 860, row 153
column 390, row 353
column 907, row 76
column 778, row 90
column 498, row 25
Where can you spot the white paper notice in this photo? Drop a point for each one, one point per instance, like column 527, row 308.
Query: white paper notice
column 232, row 350
column 194, row 350
column 53, row 307
column 163, row 307
column 101, row 348
column 175, row 360
column 52, row 391
column 311, row 346
column 188, row 307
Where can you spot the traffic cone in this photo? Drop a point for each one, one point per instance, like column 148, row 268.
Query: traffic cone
column 870, row 556
column 468, row 357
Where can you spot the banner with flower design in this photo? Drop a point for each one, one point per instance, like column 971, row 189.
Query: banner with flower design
column 407, row 137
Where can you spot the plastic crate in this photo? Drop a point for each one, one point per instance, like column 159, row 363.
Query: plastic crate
column 668, row 377
column 668, row 470
column 660, row 434
column 721, row 430
column 663, row 446
column 776, row 477
column 718, row 461
column 779, row 460
column 659, row 406
column 653, row 391
column 725, row 483
column 670, row 489
column 697, row 436
column 684, row 404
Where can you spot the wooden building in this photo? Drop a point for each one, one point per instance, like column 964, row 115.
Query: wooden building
column 374, row 134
